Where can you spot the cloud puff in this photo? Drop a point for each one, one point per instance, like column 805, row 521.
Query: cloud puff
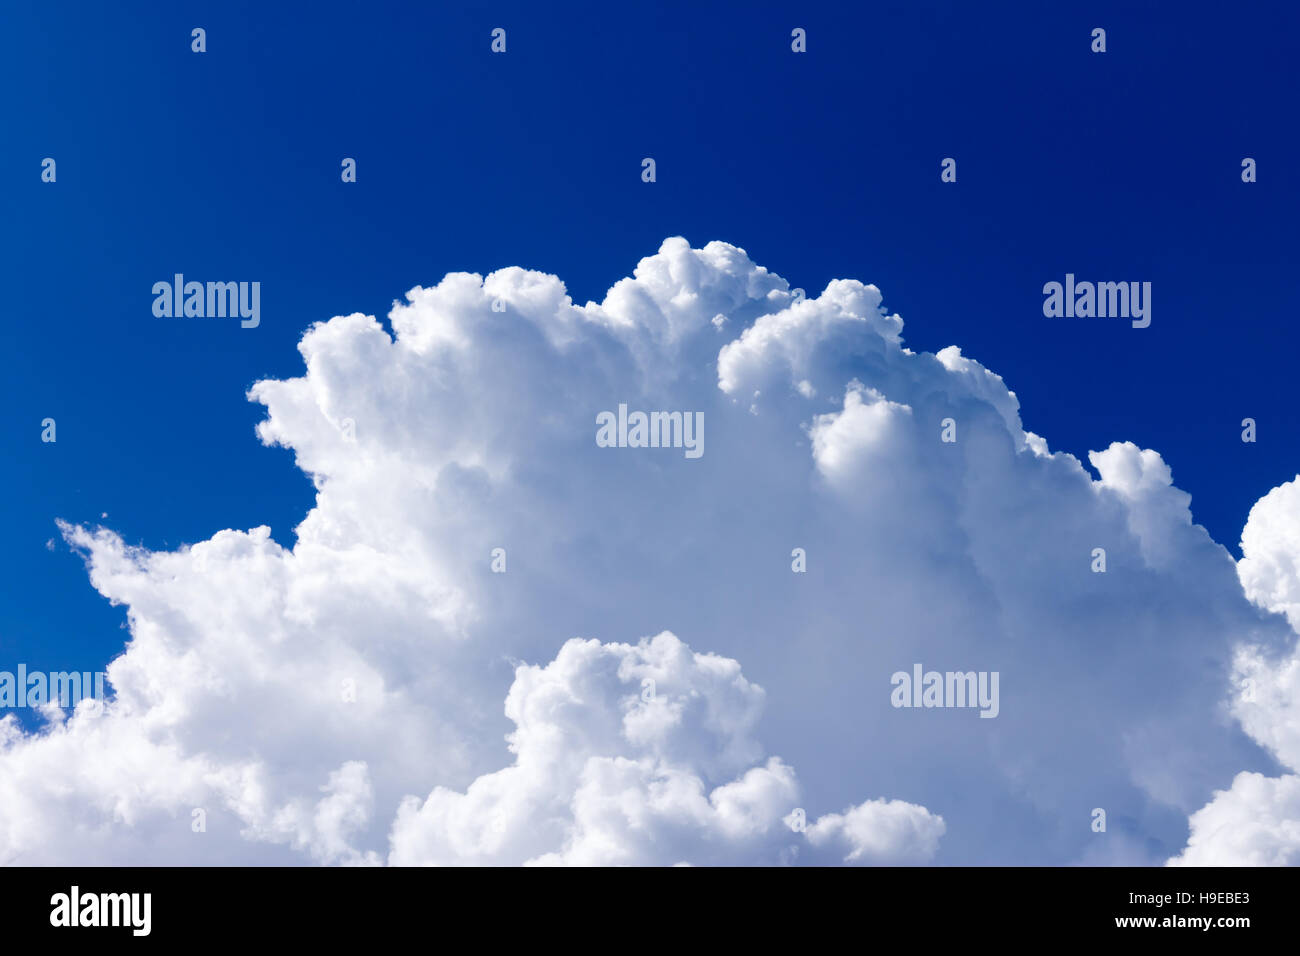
column 1270, row 545
column 642, row 754
column 340, row 700
column 1256, row 821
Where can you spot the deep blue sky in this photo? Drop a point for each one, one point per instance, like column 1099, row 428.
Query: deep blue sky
column 225, row 166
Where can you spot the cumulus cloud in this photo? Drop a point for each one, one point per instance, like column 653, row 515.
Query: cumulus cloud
column 1270, row 544
column 642, row 754
column 340, row 699
column 1256, row 820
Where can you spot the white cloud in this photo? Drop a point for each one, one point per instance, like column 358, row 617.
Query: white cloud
column 638, row 754
column 885, row 831
column 1256, row 821
column 340, row 700
column 866, row 432
column 1270, row 543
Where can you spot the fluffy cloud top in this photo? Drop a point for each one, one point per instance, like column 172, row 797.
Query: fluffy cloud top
column 340, row 700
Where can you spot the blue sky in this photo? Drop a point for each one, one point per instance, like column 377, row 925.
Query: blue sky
column 226, row 165
column 821, row 166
